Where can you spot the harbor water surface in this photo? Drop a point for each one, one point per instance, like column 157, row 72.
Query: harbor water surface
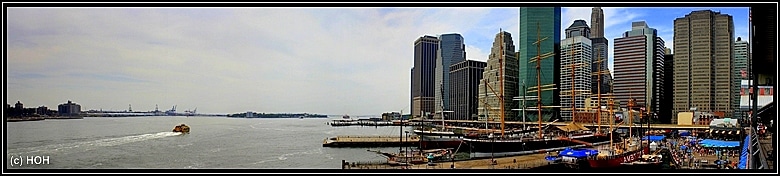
column 214, row 142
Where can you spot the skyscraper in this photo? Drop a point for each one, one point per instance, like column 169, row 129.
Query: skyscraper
column 499, row 80
column 600, row 50
column 547, row 22
column 425, row 49
column 576, row 54
column 739, row 73
column 703, row 47
column 639, row 67
column 451, row 50
column 578, row 28
column 464, row 83
column 665, row 113
column 597, row 22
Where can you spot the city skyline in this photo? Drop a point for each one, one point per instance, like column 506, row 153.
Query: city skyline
column 227, row 60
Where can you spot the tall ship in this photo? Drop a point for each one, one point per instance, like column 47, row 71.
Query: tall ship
column 526, row 141
column 430, row 139
column 619, row 153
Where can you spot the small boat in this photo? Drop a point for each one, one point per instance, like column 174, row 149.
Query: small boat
column 402, row 159
column 181, row 128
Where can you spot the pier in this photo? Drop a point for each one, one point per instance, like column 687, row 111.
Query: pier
column 471, row 124
column 373, row 123
column 531, row 161
column 370, row 141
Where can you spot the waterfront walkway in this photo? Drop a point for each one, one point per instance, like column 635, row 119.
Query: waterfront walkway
column 370, row 141
column 513, row 162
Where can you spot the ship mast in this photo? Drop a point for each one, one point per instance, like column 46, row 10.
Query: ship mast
column 538, row 60
column 571, row 55
column 610, row 103
column 598, row 93
column 538, row 80
column 631, row 104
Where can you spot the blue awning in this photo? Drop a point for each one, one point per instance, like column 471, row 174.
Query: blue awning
column 578, row 153
column 685, row 133
column 654, row 138
column 744, row 155
column 718, row 143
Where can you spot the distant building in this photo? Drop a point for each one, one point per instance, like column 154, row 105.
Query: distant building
column 493, row 84
column 575, row 51
column 19, row 106
column 250, row 114
column 739, row 73
column 464, row 83
column 597, row 22
column 703, row 52
column 451, row 50
column 538, row 23
column 425, row 50
column 591, row 105
column 42, row 110
column 665, row 113
column 639, row 67
column 600, row 51
column 387, row 116
column 69, row 109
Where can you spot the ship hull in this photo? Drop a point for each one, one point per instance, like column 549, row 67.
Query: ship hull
column 617, row 161
column 486, row 148
column 439, row 140
column 440, row 143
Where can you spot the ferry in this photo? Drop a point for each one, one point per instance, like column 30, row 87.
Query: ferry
column 181, row 128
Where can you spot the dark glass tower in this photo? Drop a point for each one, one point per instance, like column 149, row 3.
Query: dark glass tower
column 548, row 20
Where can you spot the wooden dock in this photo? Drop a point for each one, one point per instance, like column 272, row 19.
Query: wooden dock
column 337, row 123
column 370, row 141
column 528, row 161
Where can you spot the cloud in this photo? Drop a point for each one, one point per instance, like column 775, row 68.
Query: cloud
column 475, row 53
column 228, row 60
column 332, row 61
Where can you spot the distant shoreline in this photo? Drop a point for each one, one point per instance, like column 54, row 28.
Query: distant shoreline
column 24, row 119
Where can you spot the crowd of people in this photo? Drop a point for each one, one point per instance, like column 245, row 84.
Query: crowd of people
column 687, row 152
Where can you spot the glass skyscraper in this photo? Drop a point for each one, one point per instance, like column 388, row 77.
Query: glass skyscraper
column 451, row 50
column 547, row 21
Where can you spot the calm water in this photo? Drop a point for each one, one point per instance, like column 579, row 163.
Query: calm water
column 214, row 142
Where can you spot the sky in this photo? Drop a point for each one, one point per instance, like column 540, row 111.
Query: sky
column 332, row 61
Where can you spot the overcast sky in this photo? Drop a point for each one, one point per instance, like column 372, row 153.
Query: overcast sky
column 334, row 61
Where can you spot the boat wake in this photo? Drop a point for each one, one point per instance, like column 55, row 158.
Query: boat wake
column 310, row 152
column 284, row 156
column 89, row 145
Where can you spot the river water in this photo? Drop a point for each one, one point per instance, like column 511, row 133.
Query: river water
column 213, row 142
